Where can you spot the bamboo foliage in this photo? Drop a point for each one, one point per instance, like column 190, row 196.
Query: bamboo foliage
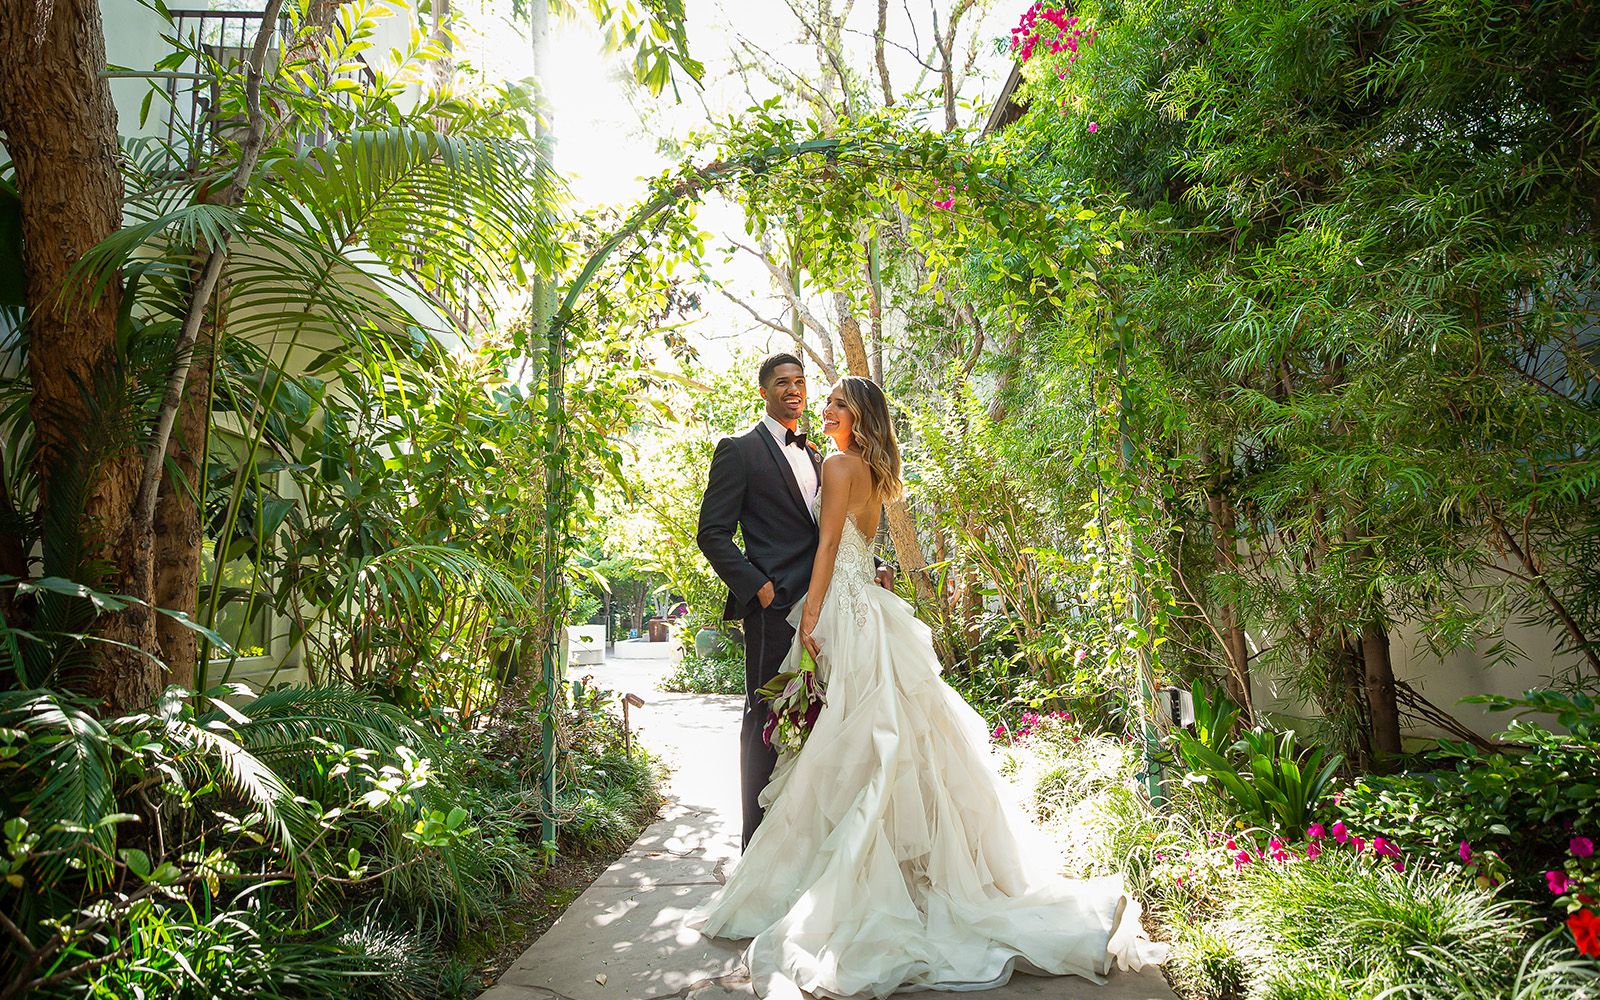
column 1360, row 254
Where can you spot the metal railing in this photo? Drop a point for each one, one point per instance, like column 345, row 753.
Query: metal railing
column 192, row 90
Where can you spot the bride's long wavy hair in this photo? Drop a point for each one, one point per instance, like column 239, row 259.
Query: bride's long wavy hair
column 874, row 434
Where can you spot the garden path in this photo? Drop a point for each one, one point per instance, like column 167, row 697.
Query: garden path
column 623, row 938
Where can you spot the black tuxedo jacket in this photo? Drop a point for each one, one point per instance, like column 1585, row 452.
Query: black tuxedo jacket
column 752, row 487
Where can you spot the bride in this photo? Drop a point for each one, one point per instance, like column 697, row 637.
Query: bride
column 891, row 858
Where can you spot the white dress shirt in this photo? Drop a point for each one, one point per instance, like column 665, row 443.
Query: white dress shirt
column 805, row 474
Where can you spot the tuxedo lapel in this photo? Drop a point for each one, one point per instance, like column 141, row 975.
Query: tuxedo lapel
column 783, row 466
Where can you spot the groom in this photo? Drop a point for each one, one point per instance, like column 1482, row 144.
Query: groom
column 764, row 482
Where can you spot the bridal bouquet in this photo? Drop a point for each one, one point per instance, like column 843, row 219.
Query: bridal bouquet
column 794, row 700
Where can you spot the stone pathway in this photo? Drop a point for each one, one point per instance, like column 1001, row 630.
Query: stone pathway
column 623, row 938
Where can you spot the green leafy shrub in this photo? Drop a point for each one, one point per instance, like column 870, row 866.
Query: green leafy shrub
column 1266, row 778
column 722, row 673
column 1505, row 815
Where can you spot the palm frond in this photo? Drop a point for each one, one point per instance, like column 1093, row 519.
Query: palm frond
column 241, row 772
column 408, row 578
column 408, row 193
column 70, row 753
column 287, row 721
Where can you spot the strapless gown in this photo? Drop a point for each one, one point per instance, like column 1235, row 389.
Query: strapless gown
column 893, row 857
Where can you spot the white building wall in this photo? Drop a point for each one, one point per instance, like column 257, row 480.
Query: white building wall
column 133, row 42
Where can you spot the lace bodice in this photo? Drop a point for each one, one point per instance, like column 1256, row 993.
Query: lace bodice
column 853, row 569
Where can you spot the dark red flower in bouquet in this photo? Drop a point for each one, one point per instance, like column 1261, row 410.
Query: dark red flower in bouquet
column 1585, row 927
column 794, row 701
column 814, row 701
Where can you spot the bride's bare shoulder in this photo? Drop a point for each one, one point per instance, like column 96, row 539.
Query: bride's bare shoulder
column 845, row 463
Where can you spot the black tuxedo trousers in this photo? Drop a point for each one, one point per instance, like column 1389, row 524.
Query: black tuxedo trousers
column 752, row 489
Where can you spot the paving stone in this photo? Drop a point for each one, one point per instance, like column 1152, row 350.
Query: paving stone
column 653, row 868
column 634, row 937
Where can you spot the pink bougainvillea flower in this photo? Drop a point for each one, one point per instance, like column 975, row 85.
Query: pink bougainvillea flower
column 1315, row 831
column 1340, row 833
column 1279, row 852
column 1466, row 853
column 1400, row 866
column 1241, row 859
column 1581, row 847
column 1312, row 850
column 1231, row 844
column 1359, row 844
column 1094, row 127
column 1558, row 882
column 1385, row 848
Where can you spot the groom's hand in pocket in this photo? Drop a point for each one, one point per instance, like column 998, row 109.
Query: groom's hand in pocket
column 767, row 594
column 885, row 577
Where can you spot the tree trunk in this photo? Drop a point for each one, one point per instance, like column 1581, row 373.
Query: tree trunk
column 442, row 72
column 1224, row 537
column 1378, row 673
column 875, row 308
column 855, row 347
column 178, row 533
column 1002, row 385
column 908, row 550
column 878, row 53
column 1383, row 709
column 61, row 131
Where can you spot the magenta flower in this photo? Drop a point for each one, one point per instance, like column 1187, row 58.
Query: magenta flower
column 1581, row 847
column 1385, row 848
column 1466, row 853
column 1315, row 831
column 1341, row 834
column 1241, row 859
column 1558, row 882
column 1312, row 850
column 1094, row 127
column 1359, row 844
column 1231, row 845
column 1400, row 866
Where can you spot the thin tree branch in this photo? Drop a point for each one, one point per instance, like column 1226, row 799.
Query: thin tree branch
column 216, row 256
column 822, row 363
column 1525, row 557
column 878, row 42
column 781, row 276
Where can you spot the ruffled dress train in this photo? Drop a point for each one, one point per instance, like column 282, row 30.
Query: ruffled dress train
column 892, row 857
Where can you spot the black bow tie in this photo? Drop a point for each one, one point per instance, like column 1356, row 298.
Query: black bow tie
column 790, row 437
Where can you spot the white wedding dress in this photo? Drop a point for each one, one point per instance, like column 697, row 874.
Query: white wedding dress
column 892, row 858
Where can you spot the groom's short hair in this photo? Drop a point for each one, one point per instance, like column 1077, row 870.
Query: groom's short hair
column 771, row 364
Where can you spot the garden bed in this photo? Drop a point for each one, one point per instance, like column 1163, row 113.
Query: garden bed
column 1350, row 907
